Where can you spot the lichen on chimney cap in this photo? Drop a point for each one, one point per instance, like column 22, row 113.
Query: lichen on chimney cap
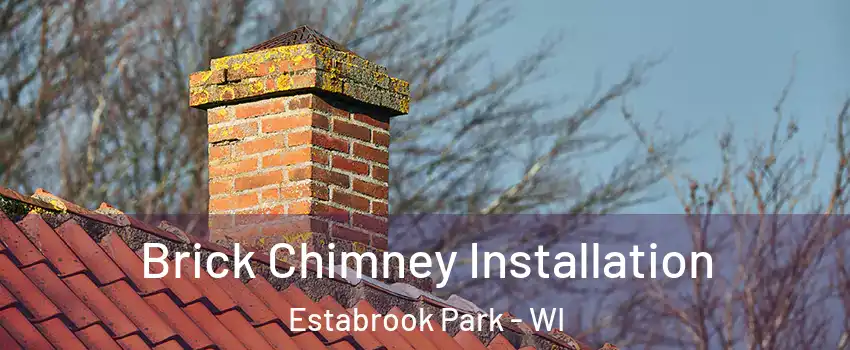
column 299, row 61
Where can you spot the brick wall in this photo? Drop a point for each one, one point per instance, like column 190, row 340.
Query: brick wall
column 299, row 155
column 298, row 131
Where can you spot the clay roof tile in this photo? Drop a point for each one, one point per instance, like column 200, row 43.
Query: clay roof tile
column 74, row 277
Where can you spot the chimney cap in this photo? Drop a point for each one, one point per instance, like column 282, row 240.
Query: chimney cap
column 297, row 36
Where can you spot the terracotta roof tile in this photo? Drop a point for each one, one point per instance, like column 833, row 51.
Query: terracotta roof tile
column 341, row 346
column 61, row 203
column 239, row 326
column 22, row 330
column 133, row 342
column 211, row 325
column 308, row 340
column 178, row 320
column 73, row 278
column 268, row 295
column 500, row 343
column 6, row 340
column 295, row 296
column 58, row 334
column 95, row 337
column 49, row 243
column 113, row 318
column 33, row 300
column 390, row 339
column 247, row 301
column 277, row 337
column 68, row 303
column 207, row 285
column 364, row 337
column 182, row 288
column 138, row 311
column 414, row 337
column 130, row 264
column 95, row 259
column 469, row 341
column 22, row 249
column 440, row 338
column 170, row 345
column 6, row 298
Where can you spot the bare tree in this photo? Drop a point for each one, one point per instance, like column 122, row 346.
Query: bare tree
column 776, row 227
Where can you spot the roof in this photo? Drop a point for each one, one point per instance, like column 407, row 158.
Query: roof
column 73, row 278
column 300, row 35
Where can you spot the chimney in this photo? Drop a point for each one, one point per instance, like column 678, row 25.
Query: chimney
column 298, row 125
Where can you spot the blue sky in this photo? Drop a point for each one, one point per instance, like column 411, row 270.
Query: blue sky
column 727, row 60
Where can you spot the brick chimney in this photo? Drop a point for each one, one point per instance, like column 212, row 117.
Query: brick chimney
column 298, row 125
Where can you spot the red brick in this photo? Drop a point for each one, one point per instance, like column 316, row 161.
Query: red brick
column 295, row 121
column 300, row 102
column 232, row 132
column 284, row 123
column 259, row 180
column 295, row 224
column 319, row 174
column 259, row 108
column 314, row 138
column 330, row 142
column 304, row 63
column 241, row 201
column 349, row 165
column 318, row 104
column 270, row 195
column 350, row 200
column 351, row 130
column 380, row 242
column 218, row 115
column 380, row 174
column 258, row 70
column 262, row 145
column 370, row 189
column 371, row 121
column 220, row 186
column 206, row 78
column 371, row 223
column 230, row 169
column 220, row 152
column 301, row 81
column 379, row 208
column 381, row 138
column 371, row 153
column 300, row 207
column 298, row 138
column 305, row 189
column 345, row 233
column 319, row 210
column 287, row 158
column 328, row 212
column 320, row 156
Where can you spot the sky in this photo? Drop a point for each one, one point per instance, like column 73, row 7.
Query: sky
column 725, row 60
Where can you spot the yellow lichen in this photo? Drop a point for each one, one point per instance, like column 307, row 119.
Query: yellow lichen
column 58, row 205
column 284, row 82
column 226, row 93
column 200, row 96
column 205, row 76
column 257, row 87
